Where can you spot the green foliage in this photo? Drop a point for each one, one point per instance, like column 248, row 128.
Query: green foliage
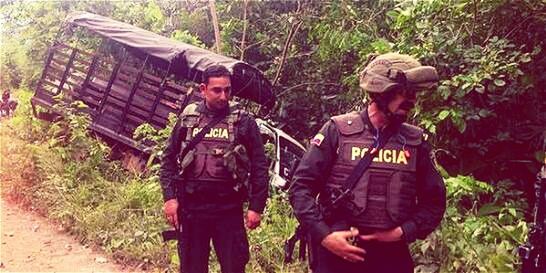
column 23, row 46
column 186, row 37
column 147, row 134
column 485, row 66
column 486, row 113
column 67, row 176
column 267, row 242
column 482, row 228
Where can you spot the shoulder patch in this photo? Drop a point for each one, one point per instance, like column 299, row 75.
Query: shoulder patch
column 317, row 140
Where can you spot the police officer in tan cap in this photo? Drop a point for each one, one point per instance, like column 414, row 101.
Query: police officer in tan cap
column 377, row 188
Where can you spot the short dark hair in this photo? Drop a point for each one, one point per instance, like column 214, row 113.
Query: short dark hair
column 215, row 71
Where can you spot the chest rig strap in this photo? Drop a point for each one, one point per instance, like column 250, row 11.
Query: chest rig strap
column 197, row 138
column 338, row 198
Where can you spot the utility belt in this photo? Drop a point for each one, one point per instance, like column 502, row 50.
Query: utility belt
column 213, row 189
column 344, row 225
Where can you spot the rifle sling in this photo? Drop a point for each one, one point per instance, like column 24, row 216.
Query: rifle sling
column 195, row 140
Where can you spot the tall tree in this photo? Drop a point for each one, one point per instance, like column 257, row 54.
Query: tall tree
column 213, row 15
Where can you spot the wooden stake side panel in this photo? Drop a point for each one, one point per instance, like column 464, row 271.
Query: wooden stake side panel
column 153, row 100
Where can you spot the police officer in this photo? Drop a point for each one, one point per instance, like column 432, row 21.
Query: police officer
column 206, row 199
column 400, row 196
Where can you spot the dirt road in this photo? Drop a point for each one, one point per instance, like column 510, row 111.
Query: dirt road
column 29, row 243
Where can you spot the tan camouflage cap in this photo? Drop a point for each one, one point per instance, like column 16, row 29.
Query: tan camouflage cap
column 393, row 70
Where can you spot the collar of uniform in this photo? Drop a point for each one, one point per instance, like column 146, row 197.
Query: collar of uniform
column 203, row 109
column 366, row 120
column 369, row 126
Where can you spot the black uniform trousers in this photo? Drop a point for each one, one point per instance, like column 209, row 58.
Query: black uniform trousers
column 380, row 257
column 228, row 236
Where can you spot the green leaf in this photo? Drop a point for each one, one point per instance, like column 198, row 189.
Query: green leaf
column 512, row 211
column 116, row 243
column 382, row 46
column 392, row 14
column 488, row 209
column 499, row 82
column 484, row 113
column 466, row 85
column 479, row 88
column 525, row 58
column 425, row 246
column 460, row 123
column 444, row 91
column 444, row 114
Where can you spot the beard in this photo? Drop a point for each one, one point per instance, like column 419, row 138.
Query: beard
column 399, row 118
column 406, row 105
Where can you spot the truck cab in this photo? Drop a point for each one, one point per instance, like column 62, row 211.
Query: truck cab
column 284, row 151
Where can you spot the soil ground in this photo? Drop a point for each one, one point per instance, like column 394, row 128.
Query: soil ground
column 29, row 243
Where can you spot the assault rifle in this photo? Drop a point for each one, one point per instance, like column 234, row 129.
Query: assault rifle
column 300, row 234
column 171, row 234
column 290, row 244
column 533, row 252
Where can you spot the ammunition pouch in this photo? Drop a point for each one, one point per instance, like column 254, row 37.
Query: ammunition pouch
column 238, row 164
column 235, row 160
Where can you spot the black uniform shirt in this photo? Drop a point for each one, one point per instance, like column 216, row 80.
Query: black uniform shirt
column 248, row 134
column 315, row 167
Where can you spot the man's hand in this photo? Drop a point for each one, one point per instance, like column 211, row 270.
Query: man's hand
column 253, row 219
column 337, row 243
column 170, row 208
column 392, row 235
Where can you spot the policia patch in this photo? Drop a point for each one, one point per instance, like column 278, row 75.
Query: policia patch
column 213, row 133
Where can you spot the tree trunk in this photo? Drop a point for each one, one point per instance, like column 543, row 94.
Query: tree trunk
column 212, row 6
column 245, row 25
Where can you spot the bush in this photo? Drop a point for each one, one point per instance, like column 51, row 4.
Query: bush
column 481, row 230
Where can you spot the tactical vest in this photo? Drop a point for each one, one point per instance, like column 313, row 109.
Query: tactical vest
column 385, row 195
column 208, row 162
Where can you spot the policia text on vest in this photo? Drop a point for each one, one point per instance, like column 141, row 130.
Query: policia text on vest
column 384, row 155
column 213, row 133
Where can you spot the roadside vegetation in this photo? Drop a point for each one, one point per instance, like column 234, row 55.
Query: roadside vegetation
column 484, row 119
column 61, row 171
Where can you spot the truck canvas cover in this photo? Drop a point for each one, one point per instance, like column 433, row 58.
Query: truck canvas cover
column 145, row 82
column 184, row 61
